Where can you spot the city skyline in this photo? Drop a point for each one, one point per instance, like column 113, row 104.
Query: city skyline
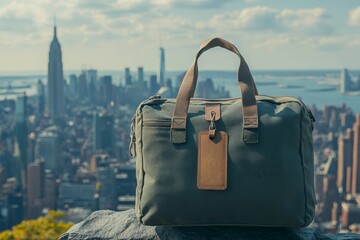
column 115, row 34
column 73, row 154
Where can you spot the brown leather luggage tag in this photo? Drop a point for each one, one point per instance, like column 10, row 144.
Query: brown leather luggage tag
column 212, row 161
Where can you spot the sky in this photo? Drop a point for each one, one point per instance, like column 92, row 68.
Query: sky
column 114, row 34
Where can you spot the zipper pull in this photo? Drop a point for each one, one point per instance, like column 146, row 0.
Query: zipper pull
column 132, row 145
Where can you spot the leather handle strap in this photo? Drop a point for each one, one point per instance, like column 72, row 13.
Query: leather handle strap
column 187, row 89
column 210, row 43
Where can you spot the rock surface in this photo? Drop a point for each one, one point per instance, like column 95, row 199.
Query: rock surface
column 107, row 225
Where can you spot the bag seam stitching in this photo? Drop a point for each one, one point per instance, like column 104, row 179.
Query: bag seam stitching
column 302, row 162
column 142, row 166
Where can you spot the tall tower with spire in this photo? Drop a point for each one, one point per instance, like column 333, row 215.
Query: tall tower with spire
column 162, row 67
column 55, row 98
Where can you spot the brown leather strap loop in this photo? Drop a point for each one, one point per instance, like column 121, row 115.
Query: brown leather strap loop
column 187, row 89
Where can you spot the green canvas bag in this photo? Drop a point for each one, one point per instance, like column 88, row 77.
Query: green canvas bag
column 240, row 161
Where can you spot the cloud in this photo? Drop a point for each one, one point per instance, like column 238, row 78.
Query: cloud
column 328, row 43
column 84, row 24
column 116, row 7
column 93, row 4
column 261, row 18
column 316, row 43
column 354, row 17
column 203, row 4
column 355, row 42
column 20, row 15
column 131, row 29
column 255, row 18
column 301, row 18
column 93, row 20
column 272, row 43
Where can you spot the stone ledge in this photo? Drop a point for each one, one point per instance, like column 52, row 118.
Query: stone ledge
column 107, row 225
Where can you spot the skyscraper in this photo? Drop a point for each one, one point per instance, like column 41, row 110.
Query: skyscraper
column 127, row 76
column 73, row 85
column 154, row 86
column 103, row 133
column 345, row 158
column 106, row 177
column 91, row 78
column 356, row 157
column 106, row 90
column 35, row 189
column 162, row 67
column 55, row 103
column 140, row 74
column 83, row 87
column 40, row 97
column 22, row 133
column 345, row 81
column 48, row 148
column 50, row 190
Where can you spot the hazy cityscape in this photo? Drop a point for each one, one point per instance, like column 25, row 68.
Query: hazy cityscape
column 66, row 146
column 64, row 139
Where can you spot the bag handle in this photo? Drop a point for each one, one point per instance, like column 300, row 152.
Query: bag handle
column 208, row 44
column 187, row 89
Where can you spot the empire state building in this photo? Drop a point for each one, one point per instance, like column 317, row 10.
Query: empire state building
column 55, row 99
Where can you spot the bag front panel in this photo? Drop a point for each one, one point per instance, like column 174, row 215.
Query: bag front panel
column 265, row 180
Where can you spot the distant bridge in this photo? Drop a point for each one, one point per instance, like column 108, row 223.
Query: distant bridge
column 10, row 89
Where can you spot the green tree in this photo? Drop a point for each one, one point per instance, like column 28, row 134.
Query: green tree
column 43, row 228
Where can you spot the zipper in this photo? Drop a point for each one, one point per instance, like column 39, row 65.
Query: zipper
column 148, row 123
column 312, row 119
column 311, row 116
column 158, row 97
column 167, row 123
column 132, row 145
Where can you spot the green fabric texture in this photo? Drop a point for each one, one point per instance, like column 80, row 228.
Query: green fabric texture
column 179, row 135
column 270, row 183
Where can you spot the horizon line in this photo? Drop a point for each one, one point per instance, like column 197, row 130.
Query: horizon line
column 207, row 70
